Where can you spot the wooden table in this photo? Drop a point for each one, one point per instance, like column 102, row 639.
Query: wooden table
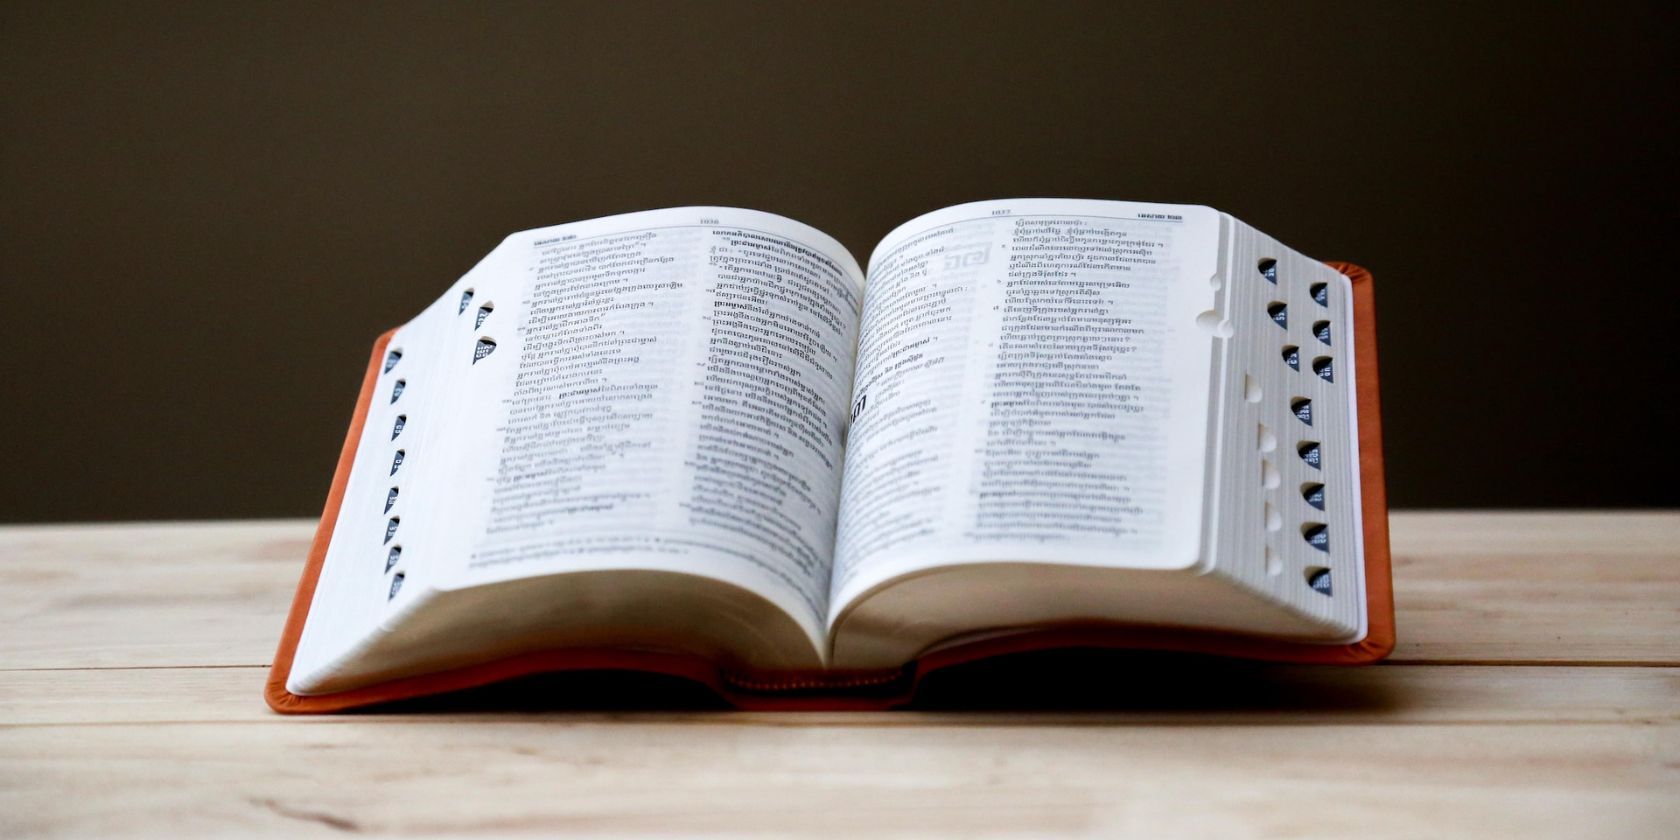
column 1535, row 692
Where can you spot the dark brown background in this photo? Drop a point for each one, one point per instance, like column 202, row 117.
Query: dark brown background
column 208, row 212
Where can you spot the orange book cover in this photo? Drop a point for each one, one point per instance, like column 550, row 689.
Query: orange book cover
column 876, row 689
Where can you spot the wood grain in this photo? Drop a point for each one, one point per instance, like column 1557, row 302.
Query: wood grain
column 1537, row 587
column 533, row 775
column 1535, row 693
column 147, row 595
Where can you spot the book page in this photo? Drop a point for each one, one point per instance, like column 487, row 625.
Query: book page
column 667, row 391
column 366, row 564
column 1032, row 385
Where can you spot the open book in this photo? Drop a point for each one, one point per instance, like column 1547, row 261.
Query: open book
column 706, row 441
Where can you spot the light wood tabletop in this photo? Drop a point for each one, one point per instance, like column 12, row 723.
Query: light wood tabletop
column 1535, row 692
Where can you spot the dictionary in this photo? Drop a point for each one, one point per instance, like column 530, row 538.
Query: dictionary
column 707, row 442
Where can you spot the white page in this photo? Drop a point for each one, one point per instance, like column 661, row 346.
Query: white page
column 673, row 399
column 1032, row 386
column 1287, row 313
column 372, row 542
